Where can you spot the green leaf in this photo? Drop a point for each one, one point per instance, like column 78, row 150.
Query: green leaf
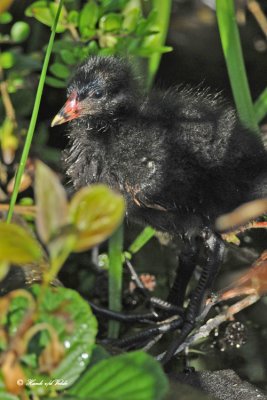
column 63, row 44
column 66, row 397
column 111, row 5
column 148, row 51
column 99, row 354
column 107, row 51
column 73, row 17
column 107, row 40
column 111, row 22
column 142, row 239
column 51, row 202
column 131, row 19
column 26, row 201
column 92, row 48
column 17, row 246
column 95, row 211
column 5, row 18
column 79, row 331
column 260, row 106
column 7, row 60
column 7, row 396
column 45, row 12
column 16, row 312
column 20, row 31
column 232, row 49
column 59, row 249
column 59, row 70
column 76, row 327
column 133, row 376
column 88, row 18
column 57, row 83
column 68, row 57
column 144, row 26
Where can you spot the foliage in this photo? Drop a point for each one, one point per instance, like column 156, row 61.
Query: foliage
column 122, row 378
column 28, row 141
column 250, row 114
column 163, row 9
column 53, row 330
column 88, row 219
column 48, row 335
column 98, row 27
column 103, row 28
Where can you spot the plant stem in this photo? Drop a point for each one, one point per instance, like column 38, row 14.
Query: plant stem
column 235, row 63
column 36, row 107
column 260, row 106
column 163, row 8
column 115, row 278
column 142, row 239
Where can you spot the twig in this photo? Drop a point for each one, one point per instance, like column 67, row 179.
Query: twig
column 239, row 219
column 213, row 323
column 74, row 33
column 255, row 9
column 10, row 112
column 152, row 342
column 253, row 284
column 23, row 210
column 254, row 281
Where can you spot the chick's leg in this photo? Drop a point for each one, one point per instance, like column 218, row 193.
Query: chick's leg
column 215, row 247
column 187, row 263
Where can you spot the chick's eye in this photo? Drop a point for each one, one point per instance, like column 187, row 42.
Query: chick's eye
column 98, row 94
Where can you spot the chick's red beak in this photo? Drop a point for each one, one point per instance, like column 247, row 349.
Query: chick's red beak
column 69, row 111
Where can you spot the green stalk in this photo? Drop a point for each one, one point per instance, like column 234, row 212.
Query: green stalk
column 260, row 106
column 115, row 248
column 142, row 239
column 163, row 8
column 235, row 63
column 32, row 125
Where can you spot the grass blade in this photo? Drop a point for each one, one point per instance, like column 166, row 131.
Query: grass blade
column 163, row 8
column 260, row 106
column 115, row 248
column 235, row 63
column 32, row 125
column 141, row 240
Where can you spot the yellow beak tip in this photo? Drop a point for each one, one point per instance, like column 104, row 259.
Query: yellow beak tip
column 57, row 120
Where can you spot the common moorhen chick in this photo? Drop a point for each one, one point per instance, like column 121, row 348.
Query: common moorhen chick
column 180, row 157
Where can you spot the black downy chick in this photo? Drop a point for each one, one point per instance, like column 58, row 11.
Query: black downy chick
column 180, row 157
